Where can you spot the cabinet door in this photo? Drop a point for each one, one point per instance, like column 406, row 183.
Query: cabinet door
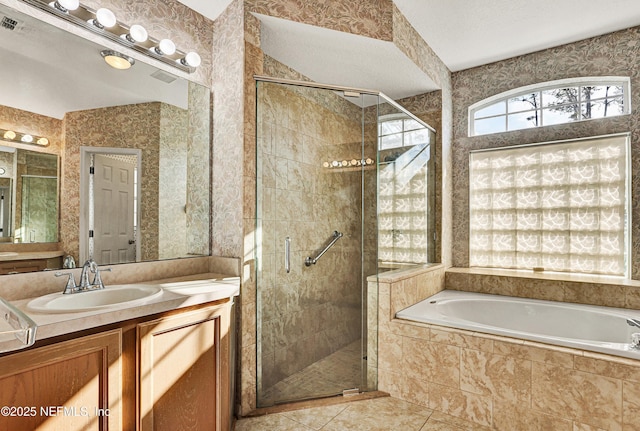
column 179, row 372
column 71, row 385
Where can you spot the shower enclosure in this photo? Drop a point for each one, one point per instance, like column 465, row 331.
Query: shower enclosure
column 343, row 193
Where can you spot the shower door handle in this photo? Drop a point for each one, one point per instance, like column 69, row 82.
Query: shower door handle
column 287, row 254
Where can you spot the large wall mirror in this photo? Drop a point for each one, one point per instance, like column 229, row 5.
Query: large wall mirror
column 127, row 156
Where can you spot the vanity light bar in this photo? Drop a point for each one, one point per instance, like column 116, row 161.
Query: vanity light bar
column 347, row 163
column 23, row 138
column 104, row 22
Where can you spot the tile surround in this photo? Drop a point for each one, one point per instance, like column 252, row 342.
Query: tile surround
column 499, row 382
column 581, row 289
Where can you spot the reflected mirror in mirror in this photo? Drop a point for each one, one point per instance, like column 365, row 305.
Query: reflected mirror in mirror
column 163, row 118
column 28, row 196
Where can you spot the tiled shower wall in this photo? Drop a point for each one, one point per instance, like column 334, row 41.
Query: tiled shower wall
column 383, row 21
column 41, row 196
column 313, row 311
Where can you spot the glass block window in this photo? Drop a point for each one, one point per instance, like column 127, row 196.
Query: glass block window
column 561, row 206
column 550, row 103
column 405, row 193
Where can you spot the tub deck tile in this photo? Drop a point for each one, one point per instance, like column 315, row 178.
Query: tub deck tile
column 459, row 338
column 438, row 363
column 534, row 353
column 631, row 406
column 584, row 397
column 505, row 378
column 613, row 367
column 461, row 404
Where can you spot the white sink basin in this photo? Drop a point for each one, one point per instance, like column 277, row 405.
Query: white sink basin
column 196, row 287
column 111, row 296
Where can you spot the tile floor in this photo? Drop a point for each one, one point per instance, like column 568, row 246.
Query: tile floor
column 378, row 414
column 329, row 376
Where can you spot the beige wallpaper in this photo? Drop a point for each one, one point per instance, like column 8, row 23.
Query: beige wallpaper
column 28, row 122
column 609, row 55
column 189, row 30
column 106, row 127
column 198, row 192
column 371, row 18
column 172, row 182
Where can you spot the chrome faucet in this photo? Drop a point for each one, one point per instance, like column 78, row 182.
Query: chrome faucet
column 633, row 322
column 85, row 285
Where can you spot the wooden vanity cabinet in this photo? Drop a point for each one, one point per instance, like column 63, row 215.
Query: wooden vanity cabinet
column 29, row 265
column 20, row 266
column 180, row 362
column 169, row 371
column 70, row 385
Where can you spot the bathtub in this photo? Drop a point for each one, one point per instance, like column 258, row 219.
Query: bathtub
column 587, row 327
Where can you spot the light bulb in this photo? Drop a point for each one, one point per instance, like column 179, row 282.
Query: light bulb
column 191, row 59
column 65, row 5
column 42, row 141
column 9, row 134
column 117, row 60
column 137, row 33
column 27, row 138
column 104, row 18
column 325, row 164
column 165, row 47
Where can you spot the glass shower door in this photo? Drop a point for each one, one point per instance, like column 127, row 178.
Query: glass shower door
column 311, row 259
column 39, row 205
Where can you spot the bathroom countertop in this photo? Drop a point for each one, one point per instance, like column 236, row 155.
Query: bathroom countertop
column 29, row 255
column 176, row 293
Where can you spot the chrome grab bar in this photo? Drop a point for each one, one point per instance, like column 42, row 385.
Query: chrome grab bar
column 312, row 260
column 287, row 254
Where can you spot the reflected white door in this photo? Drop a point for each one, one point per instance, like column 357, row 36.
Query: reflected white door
column 114, row 184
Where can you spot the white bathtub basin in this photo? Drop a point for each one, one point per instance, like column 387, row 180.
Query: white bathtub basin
column 111, row 296
column 601, row 329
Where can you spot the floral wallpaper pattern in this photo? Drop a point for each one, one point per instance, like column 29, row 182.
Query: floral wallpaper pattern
column 128, row 126
column 614, row 54
column 371, row 18
column 188, row 29
column 28, row 122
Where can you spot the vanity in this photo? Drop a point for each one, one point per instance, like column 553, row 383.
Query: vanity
column 15, row 262
column 116, row 169
column 154, row 363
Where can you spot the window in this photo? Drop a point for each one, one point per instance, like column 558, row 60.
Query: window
column 406, row 191
column 401, row 131
column 561, row 206
column 556, row 102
